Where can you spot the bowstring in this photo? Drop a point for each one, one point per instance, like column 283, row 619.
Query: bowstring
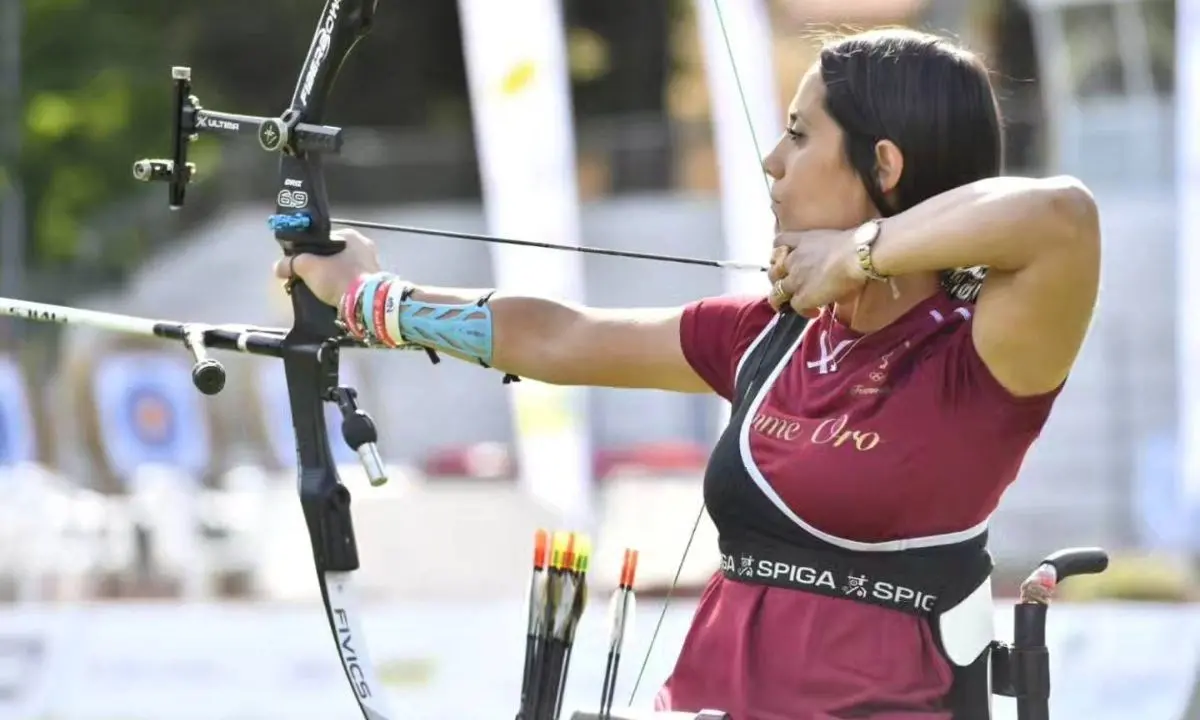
column 737, row 80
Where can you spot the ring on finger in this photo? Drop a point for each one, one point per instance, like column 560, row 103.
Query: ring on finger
column 778, row 288
column 291, row 275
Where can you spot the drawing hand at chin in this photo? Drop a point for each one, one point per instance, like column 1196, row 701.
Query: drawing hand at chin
column 813, row 268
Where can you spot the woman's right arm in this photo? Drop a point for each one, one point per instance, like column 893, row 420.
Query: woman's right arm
column 566, row 344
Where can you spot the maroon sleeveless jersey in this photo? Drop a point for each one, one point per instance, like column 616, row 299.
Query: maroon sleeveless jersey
column 893, row 440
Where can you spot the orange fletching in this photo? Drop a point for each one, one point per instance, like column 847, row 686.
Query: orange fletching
column 541, row 549
column 629, row 568
column 569, row 553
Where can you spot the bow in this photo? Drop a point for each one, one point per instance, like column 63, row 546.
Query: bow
column 311, row 348
column 310, row 359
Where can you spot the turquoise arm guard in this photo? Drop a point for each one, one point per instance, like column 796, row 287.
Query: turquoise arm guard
column 464, row 330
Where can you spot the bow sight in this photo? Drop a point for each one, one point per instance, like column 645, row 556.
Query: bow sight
column 191, row 119
column 286, row 134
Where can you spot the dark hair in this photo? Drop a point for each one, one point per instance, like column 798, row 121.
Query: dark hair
column 931, row 98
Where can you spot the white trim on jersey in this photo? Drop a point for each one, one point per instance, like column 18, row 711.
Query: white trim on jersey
column 765, row 487
column 750, row 350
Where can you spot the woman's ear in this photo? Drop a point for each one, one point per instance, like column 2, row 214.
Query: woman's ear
column 889, row 165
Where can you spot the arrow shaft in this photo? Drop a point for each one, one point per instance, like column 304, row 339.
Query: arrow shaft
column 256, row 341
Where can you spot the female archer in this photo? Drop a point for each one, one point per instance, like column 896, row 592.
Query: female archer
column 924, row 315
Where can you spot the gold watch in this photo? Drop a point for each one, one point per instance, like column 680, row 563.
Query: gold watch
column 864, row 241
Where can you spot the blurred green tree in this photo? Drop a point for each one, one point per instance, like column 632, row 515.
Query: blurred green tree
column 96, row 89
column 95, row 95
column 96, row 92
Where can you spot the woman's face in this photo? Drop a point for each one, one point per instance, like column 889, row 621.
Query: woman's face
column 814, row 187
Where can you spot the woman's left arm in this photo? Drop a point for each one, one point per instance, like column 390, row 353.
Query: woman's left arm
column 1040, row 240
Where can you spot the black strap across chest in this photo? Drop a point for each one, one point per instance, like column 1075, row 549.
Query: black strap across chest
column 760, row 545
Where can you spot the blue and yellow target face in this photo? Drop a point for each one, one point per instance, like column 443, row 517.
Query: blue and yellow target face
column 5, row 450
column 277, row 414
column 17, row 441
column 149, row 413
column 151, row 417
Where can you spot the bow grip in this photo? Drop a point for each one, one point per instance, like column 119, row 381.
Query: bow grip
column 307, row 238
column 301, row 220
column 324, row 248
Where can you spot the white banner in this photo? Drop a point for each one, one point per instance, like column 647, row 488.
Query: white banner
column 1187, row 262
column 521, row 104
column 746, row 123
column 18, row 441
column 454, row 660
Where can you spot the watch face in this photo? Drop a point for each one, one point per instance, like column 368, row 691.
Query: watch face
column 866, row 233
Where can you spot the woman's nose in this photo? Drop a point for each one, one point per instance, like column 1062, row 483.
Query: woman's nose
column 772, row 167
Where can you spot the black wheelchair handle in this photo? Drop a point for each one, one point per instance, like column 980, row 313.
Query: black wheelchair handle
column 1077, row 561
column 1022, row 670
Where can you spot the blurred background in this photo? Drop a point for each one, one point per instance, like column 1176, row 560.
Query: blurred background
column 153, row 558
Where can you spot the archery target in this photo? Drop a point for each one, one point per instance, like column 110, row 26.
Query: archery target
column 151, row 417
column 18, row 441
column 149, row 413
column 277, row 414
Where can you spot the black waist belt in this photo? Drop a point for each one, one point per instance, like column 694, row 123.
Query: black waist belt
column 906, row 581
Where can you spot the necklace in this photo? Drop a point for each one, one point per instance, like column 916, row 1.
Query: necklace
column 831, row 354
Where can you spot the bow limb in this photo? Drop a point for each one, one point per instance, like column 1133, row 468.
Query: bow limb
column 310, row 358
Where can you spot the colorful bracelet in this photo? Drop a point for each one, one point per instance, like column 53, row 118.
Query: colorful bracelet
column 366, row 306
column 348, row 308
column 378, row 304
column 378, row 309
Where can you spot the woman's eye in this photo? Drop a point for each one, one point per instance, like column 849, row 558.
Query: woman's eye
column 796, row 135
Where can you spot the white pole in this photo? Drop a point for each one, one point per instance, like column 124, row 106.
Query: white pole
column 1187, row 261
column 747, row 121
column 520, row 92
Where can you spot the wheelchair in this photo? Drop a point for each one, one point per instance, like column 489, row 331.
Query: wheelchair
column 1020, row 669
